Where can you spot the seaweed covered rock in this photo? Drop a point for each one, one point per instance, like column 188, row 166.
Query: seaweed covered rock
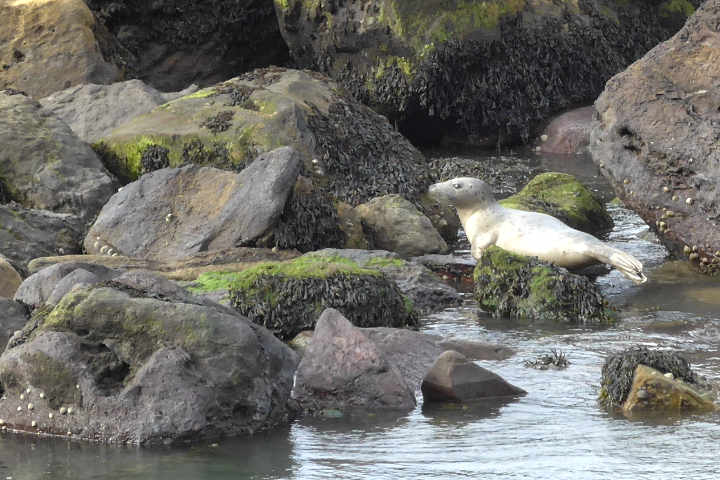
column 565, row 198
column 568, row 133
column 175, row 212
column 656, row 139
column 13, row 318
column 288, row 297
column 393, row 223
column 349, row 150
column 93, row 110
column 521, row 287
column 50, row 46
column 172, row 43
column 10, row 279
column 44, row 165
column 343, row 369
column 117, row 364
column 484, row 71
column 642, row 380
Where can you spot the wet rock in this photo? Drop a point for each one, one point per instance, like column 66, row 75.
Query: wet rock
column 651, row 391
column 619, row 371
column 393, row 223
column 93, row 111
column 13, row 318
column 10, row 279
column 427, row 292
column 454, row 378
column 343, row 369
column 443, row 217
column 568, row 133
column 457, row 271
column 481, row 72
column 563, row 197
column 351, row 224
column 656, row 139
column 44, row 165
column 50, row 46
column 521, row 287
column 26, row 234
column 124, row 366
column 288, row 297
column 170, row 44
column 349, row 150
column 175, row 212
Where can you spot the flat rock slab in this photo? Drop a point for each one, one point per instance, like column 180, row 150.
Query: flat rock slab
column 173, row 213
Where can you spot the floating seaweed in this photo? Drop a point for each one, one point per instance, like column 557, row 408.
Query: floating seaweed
column 555, row 359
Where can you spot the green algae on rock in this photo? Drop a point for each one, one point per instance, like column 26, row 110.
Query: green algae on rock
column 525, row 288
column 288, row 297
column 565, row 198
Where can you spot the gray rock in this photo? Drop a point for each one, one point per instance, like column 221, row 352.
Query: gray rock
column 13, row 316
column 26, row 234
column 139, row 370
column 39, row 287
column 44, row 165
column 10, row 279
column 393, row 223
column 173, row 213
column 343, row 369
column 454, row 378
column 93, row 111
column 76, row 279
column 569, row 133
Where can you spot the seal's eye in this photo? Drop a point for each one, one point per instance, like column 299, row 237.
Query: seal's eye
column 457, row 186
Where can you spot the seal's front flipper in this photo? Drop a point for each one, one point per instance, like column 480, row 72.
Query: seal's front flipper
column 480, row 243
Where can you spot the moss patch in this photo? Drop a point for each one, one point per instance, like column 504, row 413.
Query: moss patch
column 671, row 8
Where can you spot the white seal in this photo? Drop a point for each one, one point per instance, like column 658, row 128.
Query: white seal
column 532, row 234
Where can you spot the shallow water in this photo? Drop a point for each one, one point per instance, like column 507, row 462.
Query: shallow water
column 557, row 431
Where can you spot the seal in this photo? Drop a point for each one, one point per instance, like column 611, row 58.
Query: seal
column 532, row 234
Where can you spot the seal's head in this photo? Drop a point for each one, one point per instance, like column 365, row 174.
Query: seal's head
column 463, row 192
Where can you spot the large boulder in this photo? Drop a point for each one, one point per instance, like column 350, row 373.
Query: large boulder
column 565, row 198
column 172, row 213
column 478, row 70
column 93, row 110
column 13, row 317
column 119, row 364
column 343, row 369
column 353, row 152
column 10, row 279
column 44, row 165
column 172, row 43
column 51, row 45
column 393, row 223
column 568, row 133
column 656, row 139
column 454, row 378
column 515, row 286
column 26, row 234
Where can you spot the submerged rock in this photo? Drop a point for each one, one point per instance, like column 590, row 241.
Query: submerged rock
column 656, row 139
column 484, row 71
column 343, row 369
column 122, row 365
column 565, row 198
column 454, row 378
column 521, row 287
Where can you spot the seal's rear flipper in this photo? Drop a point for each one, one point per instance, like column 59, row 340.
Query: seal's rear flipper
column 628, row 265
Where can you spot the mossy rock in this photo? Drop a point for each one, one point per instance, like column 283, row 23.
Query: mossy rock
column 510, row 285
column 288, row 297
column 565, row 198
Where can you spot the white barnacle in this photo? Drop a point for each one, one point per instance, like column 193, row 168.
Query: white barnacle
column 63, row 410
column 30, row 406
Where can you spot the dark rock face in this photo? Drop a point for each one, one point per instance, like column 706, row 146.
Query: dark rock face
column 13, row 317
column 486, row 72
column 44, row 165
column 656, row 139
column 122, row 365
column 526, row 288
column 27, row 234
column 343, row 369
column 170, row 44
column 454, row 378
column 176, row 212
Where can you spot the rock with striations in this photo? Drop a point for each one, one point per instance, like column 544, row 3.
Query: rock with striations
column 51, row 45
column 486, row 72
column 343, row 369
column 569, row 133
column 119, row 364
column 393, row 223
column 656, row 139
column 173, row 213
column 10, row 279
column 454, row 378
column 93, row 110
column 44, row 165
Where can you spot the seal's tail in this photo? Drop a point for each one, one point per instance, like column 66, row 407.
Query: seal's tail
column 628, row 265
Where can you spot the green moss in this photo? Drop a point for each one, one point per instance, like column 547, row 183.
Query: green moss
column 671, row 8
column 124, row 159
column 204, row 93
column 379, row 262
column 213, row 281
column 283, row 4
